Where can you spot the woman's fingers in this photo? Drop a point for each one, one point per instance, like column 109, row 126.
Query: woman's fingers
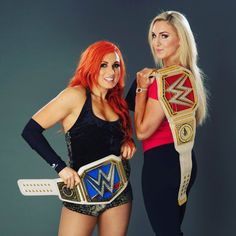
column 145, row 77
column 133, row 151
column 70, row 177
column 124, row 152
column 77, row 179
column 71, row 182
column 127, row 152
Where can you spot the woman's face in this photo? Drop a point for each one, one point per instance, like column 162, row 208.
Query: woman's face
column 109, row 71
column 165, row 42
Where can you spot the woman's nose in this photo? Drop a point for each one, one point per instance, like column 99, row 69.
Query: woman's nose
column 111, row 70
column 158, row 42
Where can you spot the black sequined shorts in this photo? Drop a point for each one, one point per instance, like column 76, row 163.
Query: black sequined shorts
column 95, row 210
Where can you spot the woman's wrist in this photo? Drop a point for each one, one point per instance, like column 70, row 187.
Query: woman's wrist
column 140, row 89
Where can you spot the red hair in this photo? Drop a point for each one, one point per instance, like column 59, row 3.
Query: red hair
column 87, row 73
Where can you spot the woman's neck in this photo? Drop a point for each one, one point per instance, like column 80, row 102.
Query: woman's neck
column 170, row 62
column 99, row 93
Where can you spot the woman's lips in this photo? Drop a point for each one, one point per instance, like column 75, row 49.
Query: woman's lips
column 109, row 79
column 159, row 50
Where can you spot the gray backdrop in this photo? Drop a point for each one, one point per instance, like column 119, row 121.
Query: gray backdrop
column 40, row 45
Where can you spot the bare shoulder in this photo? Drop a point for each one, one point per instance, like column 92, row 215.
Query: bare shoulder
column 73, row 95
column 74, row 98
column 64, row 105
column 73, row 92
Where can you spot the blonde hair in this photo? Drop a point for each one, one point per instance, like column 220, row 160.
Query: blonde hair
column 187, row 53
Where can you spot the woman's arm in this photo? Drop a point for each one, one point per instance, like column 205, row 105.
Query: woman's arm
column 148, row 112
column 59, row 109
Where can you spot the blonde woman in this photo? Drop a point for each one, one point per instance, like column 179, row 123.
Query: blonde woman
column 172, row 43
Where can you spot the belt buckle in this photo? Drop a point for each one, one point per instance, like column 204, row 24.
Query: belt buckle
column 103, row 180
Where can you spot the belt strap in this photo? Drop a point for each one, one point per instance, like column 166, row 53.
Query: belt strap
column 178, row 97
column 101, row 182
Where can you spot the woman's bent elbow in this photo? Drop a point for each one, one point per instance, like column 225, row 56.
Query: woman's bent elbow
column 140, row 136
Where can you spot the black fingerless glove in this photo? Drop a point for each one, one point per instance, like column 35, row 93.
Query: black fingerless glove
column 32, row 134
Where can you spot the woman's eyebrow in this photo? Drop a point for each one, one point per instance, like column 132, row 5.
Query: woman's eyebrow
column 164, row 32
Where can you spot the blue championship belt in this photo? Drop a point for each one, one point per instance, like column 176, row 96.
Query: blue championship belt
column 101, row 182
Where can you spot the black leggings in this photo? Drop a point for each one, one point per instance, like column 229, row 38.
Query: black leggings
column 160, row 185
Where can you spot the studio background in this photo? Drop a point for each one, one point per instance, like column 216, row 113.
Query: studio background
column 40, row 45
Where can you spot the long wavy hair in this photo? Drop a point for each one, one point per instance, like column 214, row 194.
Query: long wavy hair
column 187, row 54
column 87, row 73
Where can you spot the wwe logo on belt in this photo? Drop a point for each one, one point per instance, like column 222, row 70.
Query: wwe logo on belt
column 101, row 182
column 180, row 92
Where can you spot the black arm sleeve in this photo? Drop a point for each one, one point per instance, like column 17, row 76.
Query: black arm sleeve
column 32, row 134
column 130, row 98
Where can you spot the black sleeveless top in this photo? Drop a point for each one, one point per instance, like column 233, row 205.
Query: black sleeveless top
column 92, row 138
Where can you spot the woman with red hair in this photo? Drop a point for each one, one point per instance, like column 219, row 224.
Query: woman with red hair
column 95, row 119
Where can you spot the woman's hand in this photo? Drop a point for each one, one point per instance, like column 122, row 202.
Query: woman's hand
column 70, row 177
column 145, row 77
column 128, row 149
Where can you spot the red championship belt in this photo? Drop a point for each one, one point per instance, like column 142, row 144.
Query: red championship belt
column 178, row 97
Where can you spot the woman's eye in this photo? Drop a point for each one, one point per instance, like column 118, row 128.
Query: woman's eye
column 153, row 36
column 164, row 36
column 116, row 65
column 103, row 65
